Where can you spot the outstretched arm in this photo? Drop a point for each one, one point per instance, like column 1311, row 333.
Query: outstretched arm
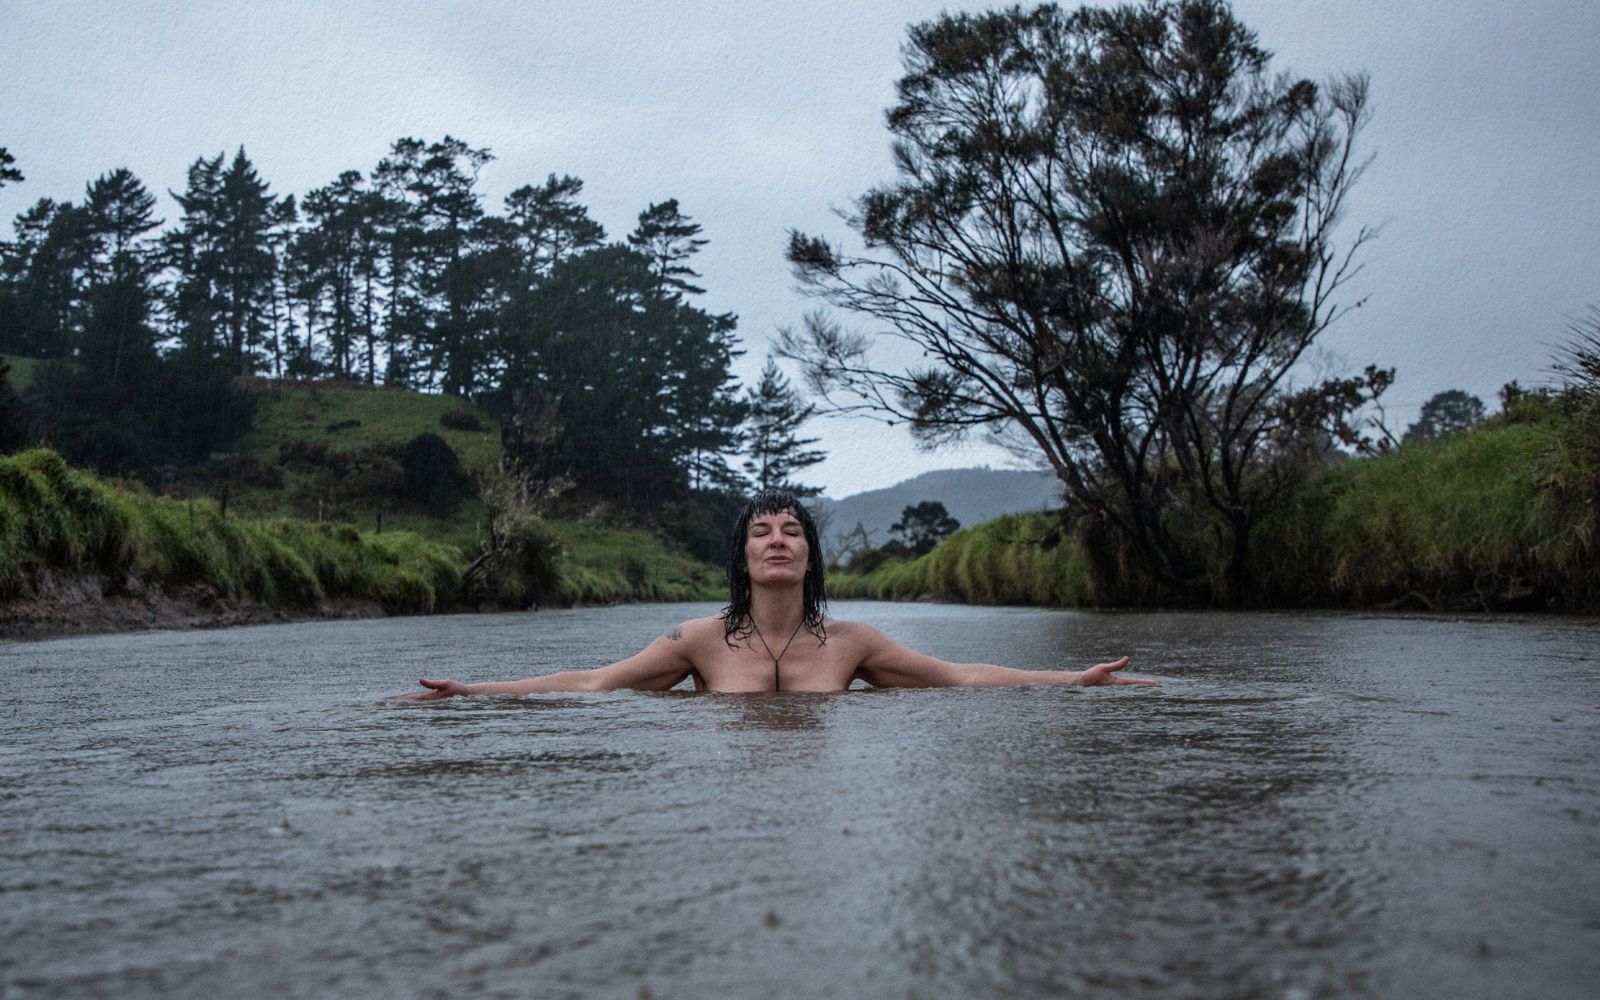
column 657, row 667
column 887, row 663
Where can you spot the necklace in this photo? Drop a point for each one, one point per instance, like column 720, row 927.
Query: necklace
column 776, row 685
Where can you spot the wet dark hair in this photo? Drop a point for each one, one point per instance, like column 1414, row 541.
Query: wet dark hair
column 736, row 621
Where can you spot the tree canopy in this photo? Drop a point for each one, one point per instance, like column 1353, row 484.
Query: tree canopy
column 922, row 526
column 594, row 356
column 1445, row 413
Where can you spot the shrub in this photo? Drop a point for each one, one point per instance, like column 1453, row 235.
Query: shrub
column 460, row 420
column 433, row 478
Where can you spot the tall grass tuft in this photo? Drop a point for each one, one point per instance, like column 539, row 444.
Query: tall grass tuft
column 1464, row 521
column 606, row 563
column 1015, row 559
column 54, row 520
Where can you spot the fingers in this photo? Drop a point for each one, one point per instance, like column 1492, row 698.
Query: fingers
column 436, row 689
column 1111, row 678
column 1105, row 673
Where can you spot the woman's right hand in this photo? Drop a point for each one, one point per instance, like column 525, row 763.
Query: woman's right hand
column 436, row 690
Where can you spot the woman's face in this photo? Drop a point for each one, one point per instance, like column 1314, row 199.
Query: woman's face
column 775, row 549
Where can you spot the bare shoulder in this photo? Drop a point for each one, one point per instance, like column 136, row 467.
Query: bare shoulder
column 854, row 633
column 695, row 631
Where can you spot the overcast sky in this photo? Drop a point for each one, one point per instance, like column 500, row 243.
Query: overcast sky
column 760, row 116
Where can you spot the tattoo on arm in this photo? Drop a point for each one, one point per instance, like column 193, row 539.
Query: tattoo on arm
column 675, row 634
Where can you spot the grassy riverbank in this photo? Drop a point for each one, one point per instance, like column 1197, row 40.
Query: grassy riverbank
column 1015, row 559
column 57, row 522
column 1477, row 521
column 68, row 538
column 1505, row 516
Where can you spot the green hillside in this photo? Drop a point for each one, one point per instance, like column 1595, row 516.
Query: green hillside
column 24, row 371
column 331, row 466
column 325, row 452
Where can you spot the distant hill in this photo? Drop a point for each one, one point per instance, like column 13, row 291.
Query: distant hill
column 972, row 496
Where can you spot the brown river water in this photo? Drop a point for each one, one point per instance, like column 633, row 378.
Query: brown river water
column 1308, row 806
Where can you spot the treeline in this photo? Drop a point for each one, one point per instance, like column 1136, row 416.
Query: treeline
column 591, row 352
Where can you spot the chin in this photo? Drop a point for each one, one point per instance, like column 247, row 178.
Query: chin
column 780, row 574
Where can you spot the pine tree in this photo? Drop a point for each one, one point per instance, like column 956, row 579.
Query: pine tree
column 44, row 270
column 117, row 339
column 777, row 453
column 550, row 224
column 223, row 253
column 8, row 173
column 438, row 315
column 668, row 238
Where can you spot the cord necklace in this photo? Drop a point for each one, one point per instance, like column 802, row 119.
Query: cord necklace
column 776, row 685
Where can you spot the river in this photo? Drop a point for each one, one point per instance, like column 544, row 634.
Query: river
column 1307, row 806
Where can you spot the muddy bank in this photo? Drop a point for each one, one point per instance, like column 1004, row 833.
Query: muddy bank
column 91, row 604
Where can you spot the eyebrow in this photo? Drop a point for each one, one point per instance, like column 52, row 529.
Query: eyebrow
column 792, row 522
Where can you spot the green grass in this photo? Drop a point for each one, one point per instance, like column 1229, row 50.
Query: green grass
column 1015, row 559
column 348, row 417
column 1506, row 515
column 24, row 371
column 54, row 519
column 1469, row 518
column 57, row 520
column 360, row 429
column 607, row 562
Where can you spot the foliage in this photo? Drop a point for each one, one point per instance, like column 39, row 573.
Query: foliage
column 614, row 382
column 592, row 357
column 108, row 398
column 1474, row 520
column 223, row 253
column 1112, row 238
column 521, row 559
column 1015, row 559
column 774, row 411
column 1445, row 413
column 605, row 562
column 434, row 480
column 439, row 317
column 13, row 420
column 699, row 521
column 1578, row 361
column 8, row 173
column 923, row 526
column 1503, row 516
column 668, row 238
column 54, row 520
column 460, row 420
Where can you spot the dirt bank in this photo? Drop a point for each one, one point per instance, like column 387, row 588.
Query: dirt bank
column 92, row 604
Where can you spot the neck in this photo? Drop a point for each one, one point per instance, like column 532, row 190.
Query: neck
column 777, row 611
